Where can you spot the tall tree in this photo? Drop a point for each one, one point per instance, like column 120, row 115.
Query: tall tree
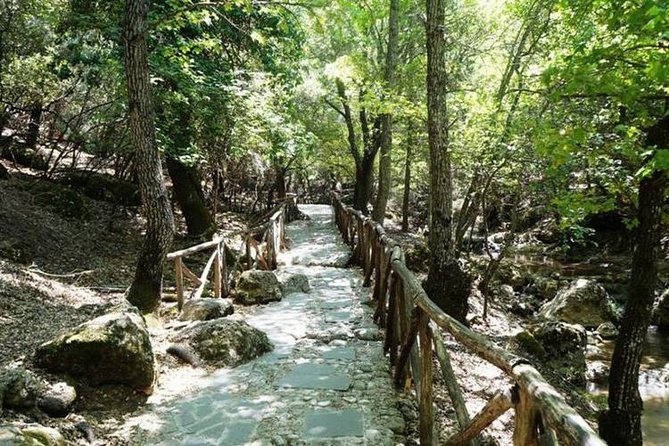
column 386, row 135
column 625, row 84
column 447, row 284
column 364, row 159
column 621, row 424
column 145, row 291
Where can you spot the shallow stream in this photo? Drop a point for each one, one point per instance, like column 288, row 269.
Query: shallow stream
column 654, row 391
column 655, row 363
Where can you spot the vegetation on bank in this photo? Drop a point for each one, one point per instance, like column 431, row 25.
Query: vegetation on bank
column 464, row 118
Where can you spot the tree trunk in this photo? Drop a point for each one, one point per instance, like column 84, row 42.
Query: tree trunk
column 364, row 180
column 188, row 193
column 407, row 179
column 34, row 125
column 621, row 424
column 145, row 291
column 280, row 182
column 447, row 284
column 386, row 136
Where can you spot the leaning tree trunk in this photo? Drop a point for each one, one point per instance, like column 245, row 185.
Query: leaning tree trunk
column 385, row 164
column 188, row 193
column 447, row 284
column 145, row 291
column 621, row 424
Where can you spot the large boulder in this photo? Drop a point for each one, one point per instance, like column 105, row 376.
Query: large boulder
column 206, row 309
column 661, row 312
column 30, row 435
column 564, row 346
column 258, row 287
column 114, row 348
column 225, row 342
column 294, row 283
column 584, row 302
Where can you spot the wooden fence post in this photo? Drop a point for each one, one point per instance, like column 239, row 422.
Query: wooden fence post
column 390, row 344
column 426, row 410
column 217, row 273
column 225, row 292
column 524, row 432
column 179, row 282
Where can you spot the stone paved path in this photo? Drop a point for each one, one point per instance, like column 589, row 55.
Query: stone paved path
column 326, row 382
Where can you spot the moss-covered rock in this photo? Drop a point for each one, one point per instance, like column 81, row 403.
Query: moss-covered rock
column 584, row 302
column 565, row 346
column 225, row 342
column 529, row 344
column 114, row 348
column 294, row 283
column 206, row 309
column 258, row 287
column 30, row 435
column 19, row 388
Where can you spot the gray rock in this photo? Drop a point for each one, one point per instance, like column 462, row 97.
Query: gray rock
column 505, row 293
column 564, row 346
column 56, row 400
column 598, row 372
column 206, row 309
column 545, row 287
column 368, row 334
column 509, row 274
column 226, row 342
column 607, row 330
column 114, row 348
column 19, row 388
column 661, row 312
column 583, row 302
column 295, row 283
column 258, row 287
column 30, row 435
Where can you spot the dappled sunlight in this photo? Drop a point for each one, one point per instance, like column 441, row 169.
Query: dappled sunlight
column 311, row 386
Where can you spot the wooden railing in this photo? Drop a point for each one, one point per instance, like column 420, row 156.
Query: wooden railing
column 542, row 416
column 262, row 255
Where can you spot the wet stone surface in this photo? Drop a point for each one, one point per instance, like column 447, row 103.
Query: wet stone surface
column 326, row 382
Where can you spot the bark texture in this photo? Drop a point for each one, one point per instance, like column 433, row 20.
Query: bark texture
column 364, row 160
column 187, row 188
column 447, row 284
column 407, row 179
column 146, row 287
column 386, row 134
column 621, row 424
column 33, row 126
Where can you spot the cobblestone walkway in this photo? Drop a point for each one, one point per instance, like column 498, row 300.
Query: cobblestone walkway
column 325, row 383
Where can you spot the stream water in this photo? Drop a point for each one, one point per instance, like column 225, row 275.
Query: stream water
column 654, row 391
column 655, row 362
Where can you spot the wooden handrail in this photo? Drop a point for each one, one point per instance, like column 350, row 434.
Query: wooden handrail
column 266, row 256
column 542, row 414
